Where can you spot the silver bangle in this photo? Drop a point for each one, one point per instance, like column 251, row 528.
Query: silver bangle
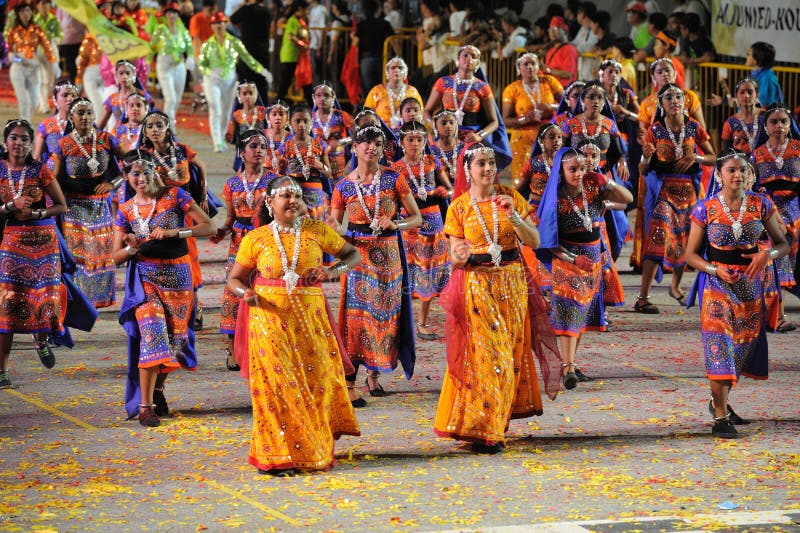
column 116, row 182
column 699, row 159
column 611, row 184
column 184, row 233
column 10, row 206
column 515, row 219
column 711, row 270
column 340, row 268
column 401, row 225
column 240, row 291
column 645, row 160
column 41, row 214
column 774, row 253
column 131, row 251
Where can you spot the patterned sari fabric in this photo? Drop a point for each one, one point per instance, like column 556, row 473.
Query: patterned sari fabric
column 127, row 136
column 613, row 291
column 780, row 184
column 448, row 158
column 732, row 315
column 370, row 309
column 30, row 266
column 738, row 133
column 163, row 316
column 523, row 138
column 535, row 172
column 670, row 197
column 602, row 134
column 339, row 124
column 240, row 123
column 299, row 395
column 577, row 296
column 234, row 193
column 426, row 246
column 87, row 223
column 473, row 104
column 495, row 379
column 314, row 193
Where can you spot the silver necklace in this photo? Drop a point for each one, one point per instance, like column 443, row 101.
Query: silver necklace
column 290, row 276
column 326, row 126
column 779, row 158
column 246, row 123
column 585, row 216
column 304, row 166
column 737, row 222
column 172, row 166
column 677, row 142
column 142, row 227
column 273, row 150
column 61, row 125
column 534, row 99
column 92, row 163
column 373, row 218
column 585, row 129
column 395, row 120
column 249, row 191
column 751, row 139
column 19, row 187
column 459, row 112
column 450, row 162
column 420, row 185
column 495, row 250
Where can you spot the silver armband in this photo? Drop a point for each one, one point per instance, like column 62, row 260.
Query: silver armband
column 340, row 268
column 131, row 251
column 774, row 253
column 116, row 182
column 401, row 225
column 645, row 160
column 515, row 219
column 240, row 291
column 184, row 233
column 711, row 270
column 611, row 184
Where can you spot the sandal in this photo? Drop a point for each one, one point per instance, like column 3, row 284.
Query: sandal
column 784, row 326
column 234, row 366
column 644, row 306
column 358, row 402
column 680, row 298
column 570, row 379
column 426, row 336
column 378, row 390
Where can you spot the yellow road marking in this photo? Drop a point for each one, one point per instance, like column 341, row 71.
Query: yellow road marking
column 258, row 505
column 53, row 410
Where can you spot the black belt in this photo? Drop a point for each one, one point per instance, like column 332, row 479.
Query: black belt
column 581, row 236
column 430, row 201
column 506, row 256
column 244, row 221
column 781, row 185
column 365, row 228
column 170, row 248
column 729, row 257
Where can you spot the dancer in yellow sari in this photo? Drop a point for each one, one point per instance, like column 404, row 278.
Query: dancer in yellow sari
column 296, row 377
column 491, row 376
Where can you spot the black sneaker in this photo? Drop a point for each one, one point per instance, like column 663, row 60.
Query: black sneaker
column 724, row 429
column 45, row 354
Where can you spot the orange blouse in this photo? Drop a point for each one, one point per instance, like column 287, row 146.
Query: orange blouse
column 24, row 42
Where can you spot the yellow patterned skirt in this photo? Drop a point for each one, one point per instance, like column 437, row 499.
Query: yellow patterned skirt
column 300, row 401
column 498, row 380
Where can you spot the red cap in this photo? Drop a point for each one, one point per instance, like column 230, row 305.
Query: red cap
column 218, row 18
column 559, row 22
column 637, row 7
column 172, row 6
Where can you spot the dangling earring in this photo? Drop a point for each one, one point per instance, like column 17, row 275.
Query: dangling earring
column 269, row 210
column 718, row 178
column 466, row 173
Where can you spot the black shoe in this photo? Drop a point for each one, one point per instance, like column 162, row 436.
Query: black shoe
column 583, row 378
column 232, row 366
column 378, row 390
column 724, row 429
column 148, row 417
column 285, row 472
column 198, row 320
column 358, row 403
column 570, row 381
column 5, row 381
column 45, row 354
column 734, row 418
column 160, row 402
column 489, row 449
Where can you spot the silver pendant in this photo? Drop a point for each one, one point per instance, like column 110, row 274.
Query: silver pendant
column 142, row 230
column 422, row 193
column 394, row 122
column 376, row 228
column 459, row 116
column 291, row 278
column 495, row 251
column 326, row 132
column 737, row 229
column 678, row 152
column 587, row 223
column 173, row 174
column 93, row 164
column 779, row 162
column 537, row 114
column 250, row 199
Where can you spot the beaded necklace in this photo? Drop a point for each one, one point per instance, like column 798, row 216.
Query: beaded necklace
column 290, row 275
column 372, row 217
column 92, row 164
column 585, row 216
column 249, row 195
column 303, row 165
column 142, row 226
column 495, row 250
column 585, row 129
column 534, row 99
column 172, row 166
column 677, row 142
column 737, row 222
column 326, row 126
column 422, row 192
column 781, row 149
column 395, row 120
column 459, row 112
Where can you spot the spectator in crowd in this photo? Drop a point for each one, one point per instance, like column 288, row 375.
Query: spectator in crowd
column 585, row 40
column 538, row 36
column 252, row 19
column 561, row 57
column 600, row 28
column 317, row 18
column 430, row 35
column 458, row 18
column 186, row 13
column 369, row 37
column 691, row 6
column 290, row 48
column 571, row 16
column 656, row 22
column 340, row 17
column 761, row 58
column 74, row 32
column 674, row 23
column 623, row 51
column 636, row 15
column 392, row 15
column 517, row 35
column 665, row 48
